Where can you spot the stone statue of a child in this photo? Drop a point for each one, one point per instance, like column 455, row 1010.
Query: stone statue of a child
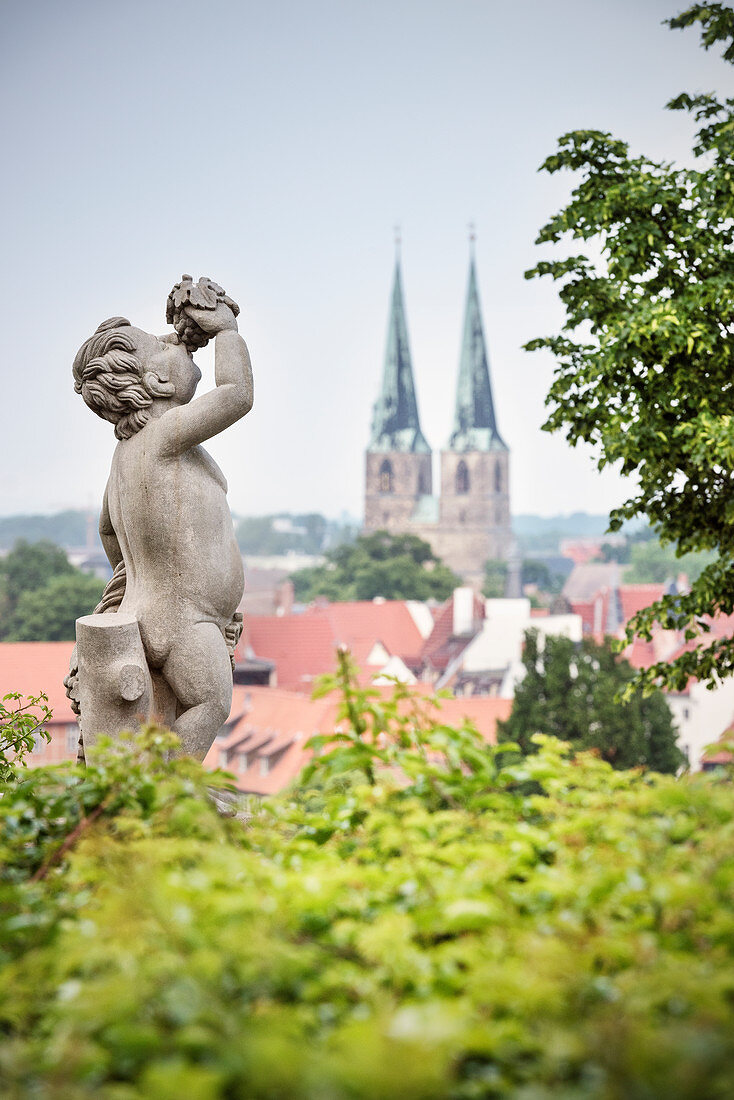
column 165, row 524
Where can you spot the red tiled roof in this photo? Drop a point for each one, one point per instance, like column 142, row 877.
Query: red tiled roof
column 594, row 613
column 270, row 722
column 303, row 646
column 33, row 667
column 485, row 711
column 278, row 724
column 640, row 654
column 718, row 758
column 636, row 596
column 364, row 622
column 633, row 597
column 585, row 609
column 723, row 625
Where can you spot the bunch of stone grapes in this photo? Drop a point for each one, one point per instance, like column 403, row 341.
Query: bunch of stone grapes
column 205, row 294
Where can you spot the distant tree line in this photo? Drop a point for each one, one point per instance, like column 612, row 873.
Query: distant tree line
column 304, row 533
column 645, row 560
column 544, row 533
column 309, row 533
column 67, row 528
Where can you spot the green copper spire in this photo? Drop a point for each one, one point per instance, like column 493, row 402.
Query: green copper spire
column 395, row 424
column 475, row 427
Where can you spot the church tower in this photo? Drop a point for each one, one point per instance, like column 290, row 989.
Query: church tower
column 398, row 460
column 475, row 498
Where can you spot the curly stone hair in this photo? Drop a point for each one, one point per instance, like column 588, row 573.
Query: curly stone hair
column 108, row 375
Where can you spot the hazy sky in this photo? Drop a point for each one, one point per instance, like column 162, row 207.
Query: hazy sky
column 273, row 145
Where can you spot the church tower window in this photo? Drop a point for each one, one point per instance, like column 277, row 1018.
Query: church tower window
column 423, row 486
column 462, row 478
column 387, row 481
column 498, row 478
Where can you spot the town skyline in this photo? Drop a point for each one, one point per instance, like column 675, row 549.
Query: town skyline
column 279, row 164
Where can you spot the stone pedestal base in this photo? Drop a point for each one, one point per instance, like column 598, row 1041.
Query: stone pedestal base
column 115, row 685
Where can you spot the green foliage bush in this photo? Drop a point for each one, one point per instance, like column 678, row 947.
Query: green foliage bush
column 445, row 924
column 21, row 724
column 572, row 691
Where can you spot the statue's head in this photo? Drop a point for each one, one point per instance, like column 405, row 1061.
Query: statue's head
column 121, row 370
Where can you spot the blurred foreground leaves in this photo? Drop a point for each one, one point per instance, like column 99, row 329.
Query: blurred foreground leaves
column 420, row 918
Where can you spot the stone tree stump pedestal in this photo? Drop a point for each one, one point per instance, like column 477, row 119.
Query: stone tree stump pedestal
column 115, row 685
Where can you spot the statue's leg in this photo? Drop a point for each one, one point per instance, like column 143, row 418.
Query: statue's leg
column 199, row 671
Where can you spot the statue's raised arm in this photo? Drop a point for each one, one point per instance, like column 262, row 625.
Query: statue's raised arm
column 199, row 312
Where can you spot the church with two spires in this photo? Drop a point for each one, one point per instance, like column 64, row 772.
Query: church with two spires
column 468, row 522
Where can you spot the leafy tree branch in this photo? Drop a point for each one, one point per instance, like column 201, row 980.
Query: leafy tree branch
column 644, row 360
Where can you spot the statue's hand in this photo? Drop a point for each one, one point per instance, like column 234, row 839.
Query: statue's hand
column 213, row 321
column 193, row 310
